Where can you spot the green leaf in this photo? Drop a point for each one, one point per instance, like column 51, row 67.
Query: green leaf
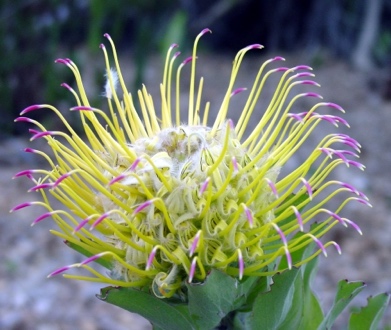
column 212, row 300
column 305, row 312
column 160, row 313
column 346, row 292
column 293, row 318
column 271, row 308
column 368, row 317
column 312, row 314
column 249, row 288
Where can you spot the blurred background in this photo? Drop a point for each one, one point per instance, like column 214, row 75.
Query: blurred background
column 348, row 42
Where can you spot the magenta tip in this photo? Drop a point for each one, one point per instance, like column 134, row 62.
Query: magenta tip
column 238, row 90
column 151, row 258
column 99, row 220
column 282, row 69
column 41, row 217
column 41, row 186
column 20, row 206
column 192, row 269
column 316, row 95
column 302, row 67
column 81, row 225
column 142, row 207
column 41, row 134
column 59, row 271
column 254, row 46
column 31, row 108
column 288, row 257
column 187, row 60
column 82, row 108
column 241, row 264
column 204, row 185
column 116, row 179
column 91, row 259
column 204, row 31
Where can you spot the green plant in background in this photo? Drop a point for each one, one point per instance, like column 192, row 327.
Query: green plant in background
column 33, row 32
column 198, row 220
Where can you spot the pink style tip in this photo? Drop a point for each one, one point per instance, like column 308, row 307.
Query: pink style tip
column 335, row 106
column 81, row 108
column 204, row 31
column 303, row 74
column 41, row 217
column 308, row 82
column 288, row 257
column 253, row 46
column 272, row 187
column 281, row 234
column 41, row 186
column 310, row 94
column 353, row 224
column 23, row 119
column 192, row 269
column 99, row 220
column 142, row 207
column 337, row 247
column 20, row 206
column 204, row 186
column 187, row 60
column 238, row 90
column 278, row 58
column 235, row 164
column 65, row 85
column 298, row 217
column 241, row 264
column 194, row 244
column 81, row 225
column 39, row 135
column 319, row 243
column 31, row 108
column 302, row 67
column 151, row 258
column 91, row 259
column 116, row 179
column 59, row 271
column 23, row 173
column 249, row 216
column 307, row 187
column 62, row 178
column 135, row 164
column 65, row 61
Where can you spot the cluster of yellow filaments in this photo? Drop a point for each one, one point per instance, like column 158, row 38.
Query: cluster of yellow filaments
column 161, row 201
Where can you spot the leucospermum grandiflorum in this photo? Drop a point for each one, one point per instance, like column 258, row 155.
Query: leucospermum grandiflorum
column 163, row 197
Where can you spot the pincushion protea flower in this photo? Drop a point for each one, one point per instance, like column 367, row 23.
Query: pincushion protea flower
column 161, row 199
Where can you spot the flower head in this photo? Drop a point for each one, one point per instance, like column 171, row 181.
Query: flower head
column 161, row 198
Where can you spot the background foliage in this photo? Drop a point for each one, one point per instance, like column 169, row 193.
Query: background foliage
column 34, row 32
